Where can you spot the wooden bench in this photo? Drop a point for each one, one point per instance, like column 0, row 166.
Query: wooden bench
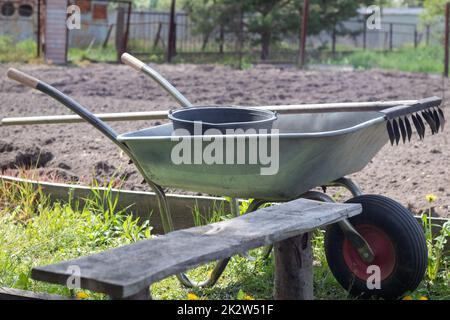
column 127, row 272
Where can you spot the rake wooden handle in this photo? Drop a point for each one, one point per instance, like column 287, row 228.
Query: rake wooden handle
column 22, row 78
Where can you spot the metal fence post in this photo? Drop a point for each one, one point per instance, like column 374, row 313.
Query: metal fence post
column 38, row 28
column 304, row 32
column 415, row 37
column 391, row 36
column 241, row 36
column 333, row 41
column 172, row 33
column 364, row 33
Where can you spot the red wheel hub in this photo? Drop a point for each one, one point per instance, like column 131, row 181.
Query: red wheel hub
column 382, row 248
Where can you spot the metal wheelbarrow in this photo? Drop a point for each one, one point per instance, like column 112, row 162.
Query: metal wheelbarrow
column 315, row 149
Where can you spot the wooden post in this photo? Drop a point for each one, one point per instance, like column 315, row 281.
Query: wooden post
column 304, row 32
column 120, row 22
column 447, row 16
column 428, row 35
column 127, row 30
column 171, row 45
column 294, row 269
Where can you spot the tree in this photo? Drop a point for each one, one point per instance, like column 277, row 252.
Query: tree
column 205, row 16
column 212, row 16
column 270, row 20
column 433, row 10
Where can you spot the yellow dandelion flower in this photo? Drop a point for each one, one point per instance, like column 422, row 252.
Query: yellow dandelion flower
column 248, row 297
column 407, row 298
column 82, row 295
column 423, row 298
column 192, row 296
column 430, row 197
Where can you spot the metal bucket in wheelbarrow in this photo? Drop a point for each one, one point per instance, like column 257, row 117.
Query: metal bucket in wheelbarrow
column 197, row 120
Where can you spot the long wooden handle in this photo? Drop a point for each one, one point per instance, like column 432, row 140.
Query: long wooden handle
column 133, row 62
column 23, row 78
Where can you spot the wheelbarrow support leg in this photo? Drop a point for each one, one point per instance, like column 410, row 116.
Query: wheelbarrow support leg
column 166, row 218
column 347, row 184
column 357, row 241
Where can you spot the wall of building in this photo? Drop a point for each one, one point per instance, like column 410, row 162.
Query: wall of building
column 18, row 19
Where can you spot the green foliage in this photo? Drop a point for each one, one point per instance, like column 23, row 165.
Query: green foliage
column 34, row 232
column 266, row 22
column 22, row 51
column 156, row 4
column 433, row 10
column 436, row 248
column 422, row 59
column 96, row 54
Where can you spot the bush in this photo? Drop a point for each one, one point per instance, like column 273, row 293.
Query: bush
column 22, row 51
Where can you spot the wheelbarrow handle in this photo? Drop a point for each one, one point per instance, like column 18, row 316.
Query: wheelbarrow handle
column 137, row 64
column 34, row 83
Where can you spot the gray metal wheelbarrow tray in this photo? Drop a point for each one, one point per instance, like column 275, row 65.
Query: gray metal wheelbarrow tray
column 314, row 149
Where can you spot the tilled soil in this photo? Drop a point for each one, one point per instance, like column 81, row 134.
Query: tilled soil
column 77, row 152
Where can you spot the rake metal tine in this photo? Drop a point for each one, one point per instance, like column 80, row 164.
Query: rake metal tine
column 425, row 116
column 390, row 132
column 429, row 120
column 421, row 124
column 441, row 117
column 408, row 128
column 401, row 124
column 436, row 119
column 396, row 131
column 432, row 120
column 417, row 125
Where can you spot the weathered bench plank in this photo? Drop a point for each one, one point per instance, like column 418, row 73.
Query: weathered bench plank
column 128, row 270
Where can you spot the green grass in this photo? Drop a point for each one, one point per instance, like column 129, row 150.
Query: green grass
column 35, row 232
column 96, row 54
column 427, row 59
column 23, row 51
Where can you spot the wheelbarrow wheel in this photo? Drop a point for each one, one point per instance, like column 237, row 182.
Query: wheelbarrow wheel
column 398, row 243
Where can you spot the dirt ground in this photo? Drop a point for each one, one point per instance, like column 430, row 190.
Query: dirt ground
column 77, row 152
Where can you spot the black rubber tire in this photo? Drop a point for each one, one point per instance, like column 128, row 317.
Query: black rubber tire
column 406, row 236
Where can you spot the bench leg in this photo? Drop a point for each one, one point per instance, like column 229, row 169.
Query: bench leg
column 294, row 269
